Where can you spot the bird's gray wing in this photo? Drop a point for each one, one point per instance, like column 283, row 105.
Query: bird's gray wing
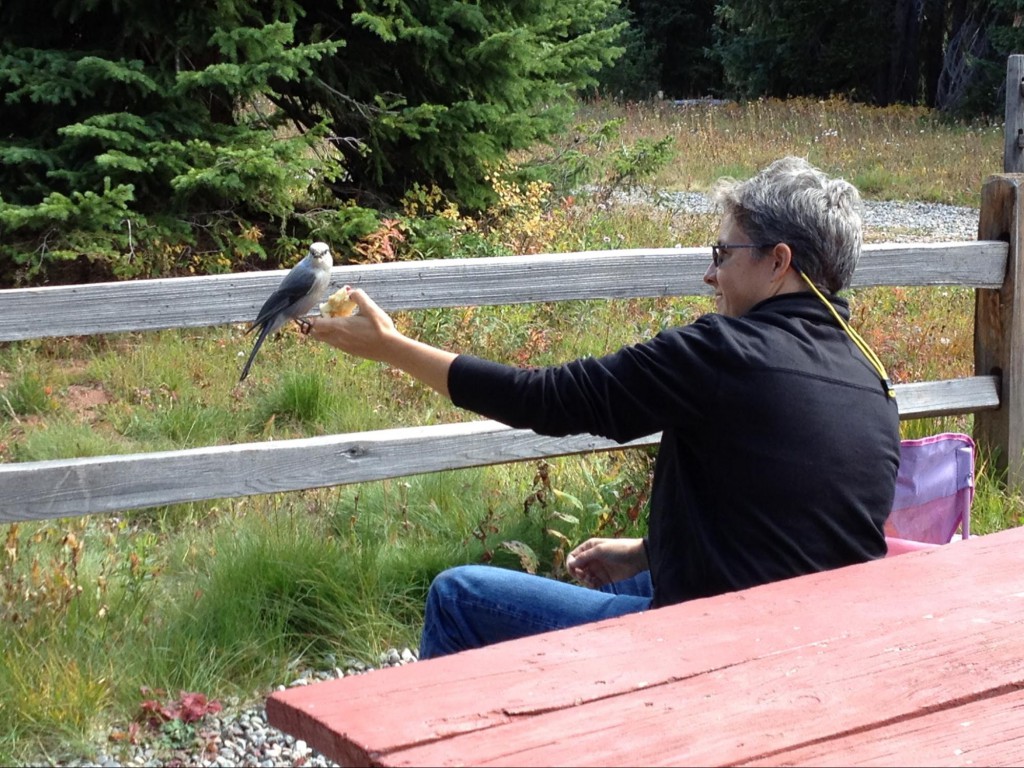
column 296, row 285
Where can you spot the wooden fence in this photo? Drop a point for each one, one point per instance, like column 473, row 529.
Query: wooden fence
column 68, row 487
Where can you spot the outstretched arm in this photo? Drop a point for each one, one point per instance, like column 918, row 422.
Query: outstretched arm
column 372, row 335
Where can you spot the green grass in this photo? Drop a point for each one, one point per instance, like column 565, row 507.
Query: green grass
column 228, row 597
column 993, row 509
column 27, row 395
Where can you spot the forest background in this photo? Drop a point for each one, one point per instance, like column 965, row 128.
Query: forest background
column 143, row 140
column 150, row 140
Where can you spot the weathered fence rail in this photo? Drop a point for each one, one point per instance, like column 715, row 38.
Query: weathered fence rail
column 61, row 488
column 189, row 302
column 991, row 265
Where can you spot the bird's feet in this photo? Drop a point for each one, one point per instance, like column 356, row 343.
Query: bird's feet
column 304, row 326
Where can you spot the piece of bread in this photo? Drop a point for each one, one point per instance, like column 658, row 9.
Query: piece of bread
column 338, row 304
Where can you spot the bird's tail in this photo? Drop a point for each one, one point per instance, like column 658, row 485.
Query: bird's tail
column 264, row 330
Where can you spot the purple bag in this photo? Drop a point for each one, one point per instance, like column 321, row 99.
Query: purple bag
column 934, row 491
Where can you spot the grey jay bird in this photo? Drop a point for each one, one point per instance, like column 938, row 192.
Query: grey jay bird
column 301, row 288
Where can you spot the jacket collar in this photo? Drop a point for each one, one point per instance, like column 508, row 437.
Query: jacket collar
column 803, row 304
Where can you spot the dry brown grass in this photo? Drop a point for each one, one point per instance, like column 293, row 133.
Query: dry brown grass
column 894, row 153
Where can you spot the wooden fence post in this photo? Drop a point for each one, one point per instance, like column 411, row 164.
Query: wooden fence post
column 999, row 330
column 1013, row 146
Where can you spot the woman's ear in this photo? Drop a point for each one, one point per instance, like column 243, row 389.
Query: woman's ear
column 782, row 261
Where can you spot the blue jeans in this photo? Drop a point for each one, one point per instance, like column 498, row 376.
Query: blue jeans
column 471, row 606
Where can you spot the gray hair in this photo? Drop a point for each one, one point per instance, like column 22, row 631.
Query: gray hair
column 792, row 202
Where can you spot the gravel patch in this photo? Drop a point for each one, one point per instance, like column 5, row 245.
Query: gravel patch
column 920, row 221
column 933, row 220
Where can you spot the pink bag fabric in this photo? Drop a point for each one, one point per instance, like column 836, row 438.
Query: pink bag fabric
column 934, row 491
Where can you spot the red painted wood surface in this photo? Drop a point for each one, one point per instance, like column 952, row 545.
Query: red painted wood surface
column 984, row 732
column 801, row 671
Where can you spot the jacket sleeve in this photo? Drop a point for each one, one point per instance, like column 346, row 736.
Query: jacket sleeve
column 639, row 390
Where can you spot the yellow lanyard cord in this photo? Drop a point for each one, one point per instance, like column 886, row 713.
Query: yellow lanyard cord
column 862, row 345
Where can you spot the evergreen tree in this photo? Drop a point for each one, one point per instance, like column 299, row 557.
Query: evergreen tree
column 170, row 128
column 636, row 75
column 440, row 91
column 682, row 32
column 667, row 49
column 950, row 54
column 139, row 127
column 974, row 73
column 804, row 47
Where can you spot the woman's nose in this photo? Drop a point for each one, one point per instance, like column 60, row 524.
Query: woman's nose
column 711, row 275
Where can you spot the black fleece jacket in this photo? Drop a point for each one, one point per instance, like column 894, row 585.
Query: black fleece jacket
column 779, row 446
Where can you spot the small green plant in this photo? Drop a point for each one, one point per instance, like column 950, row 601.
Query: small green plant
column 190, row 423
column 51, row 699
column 28, row 394
column 993, row 508
column 303, row 397
column 609, row 498
column 636, row 165
column 175, row 720
column 594, row 154
column 65, row 439
column 873, row 181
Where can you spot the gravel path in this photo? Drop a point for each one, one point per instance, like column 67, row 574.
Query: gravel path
column 935, row 221
column 243, row 737
column 919, row 221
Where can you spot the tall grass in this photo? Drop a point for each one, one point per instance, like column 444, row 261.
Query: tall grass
column 895, row 153
column 230, row 597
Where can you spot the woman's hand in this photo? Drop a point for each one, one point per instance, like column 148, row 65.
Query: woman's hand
column 371, row 334
column 364, row 334
column 597, row 562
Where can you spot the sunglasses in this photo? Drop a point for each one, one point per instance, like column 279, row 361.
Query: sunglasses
column 721, row 250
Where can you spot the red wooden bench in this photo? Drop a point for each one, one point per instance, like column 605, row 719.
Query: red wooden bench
column 917, row 659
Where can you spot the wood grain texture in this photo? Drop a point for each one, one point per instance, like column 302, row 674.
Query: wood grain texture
column 999, row 331
column 988, row 731
column 65, row 488
column 1013, row 128
column 766, row 674
column 50, row 489
column 973, row 394
column 188, row 302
